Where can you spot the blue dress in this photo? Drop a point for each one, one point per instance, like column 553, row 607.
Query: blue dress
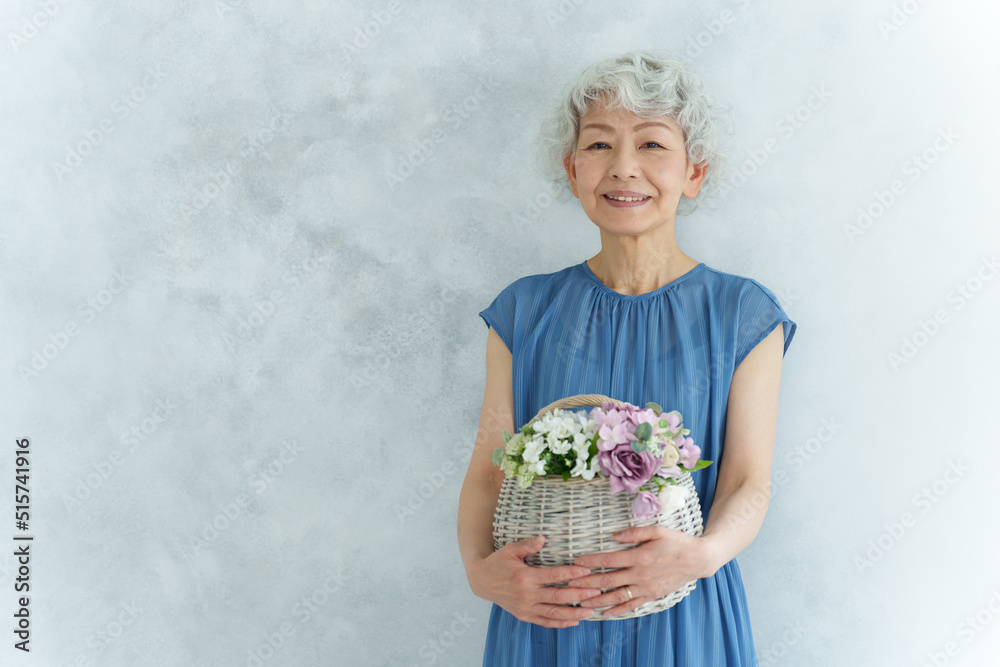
column 569, row 333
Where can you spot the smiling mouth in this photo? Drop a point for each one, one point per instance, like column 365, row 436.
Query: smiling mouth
column 615, row 198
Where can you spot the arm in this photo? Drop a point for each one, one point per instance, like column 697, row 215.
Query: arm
column 502, row 576
column 743, row 489
column 481, row 488
column 670, row 558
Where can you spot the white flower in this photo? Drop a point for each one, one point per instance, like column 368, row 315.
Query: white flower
column 538, row 467
column 532, row 449
column 557, row 445
column 573, row 424
column 673, row 497
column 671, row 455
column 588, row 467
column 579, row 468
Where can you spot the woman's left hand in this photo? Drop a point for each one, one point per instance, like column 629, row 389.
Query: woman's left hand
column 665, row 561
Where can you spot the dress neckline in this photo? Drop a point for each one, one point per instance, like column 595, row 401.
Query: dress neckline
column 637, row 297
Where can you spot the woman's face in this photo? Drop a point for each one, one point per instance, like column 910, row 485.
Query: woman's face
column 620, row 154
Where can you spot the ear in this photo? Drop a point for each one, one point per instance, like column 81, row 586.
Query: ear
column 569, row 162
column 694, row 178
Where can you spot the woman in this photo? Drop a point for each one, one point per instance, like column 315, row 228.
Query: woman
column 640, row 321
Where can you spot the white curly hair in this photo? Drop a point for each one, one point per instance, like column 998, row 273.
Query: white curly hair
column 648, row 86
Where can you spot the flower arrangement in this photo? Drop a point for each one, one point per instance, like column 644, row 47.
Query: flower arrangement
column 641, row 451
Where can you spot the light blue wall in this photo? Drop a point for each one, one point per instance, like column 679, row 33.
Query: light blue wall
column 225, row 320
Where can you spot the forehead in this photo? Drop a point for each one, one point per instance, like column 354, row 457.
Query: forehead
column 600, row 119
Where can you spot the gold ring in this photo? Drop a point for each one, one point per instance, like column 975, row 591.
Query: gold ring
column 627, row 590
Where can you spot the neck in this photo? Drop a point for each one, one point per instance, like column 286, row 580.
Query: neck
column 632, row 265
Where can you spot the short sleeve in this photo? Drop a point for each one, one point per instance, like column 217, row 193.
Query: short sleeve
column 500, row 316
column 759, row 314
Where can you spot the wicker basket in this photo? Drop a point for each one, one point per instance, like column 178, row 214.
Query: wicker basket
column 579, row 517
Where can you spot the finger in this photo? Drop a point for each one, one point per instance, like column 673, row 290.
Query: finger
column 555, row 624
column 618, row 598
column 525, row 547
column 620, row 609
column 638, row 534
column 554, row 574
column 604, row 580
column 555, row 612
column 563, row 595
column 611, row 559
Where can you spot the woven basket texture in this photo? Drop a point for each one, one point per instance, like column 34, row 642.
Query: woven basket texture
column 579, row 517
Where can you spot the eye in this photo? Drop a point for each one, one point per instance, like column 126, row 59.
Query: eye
column 596, row 143
column 652, row 143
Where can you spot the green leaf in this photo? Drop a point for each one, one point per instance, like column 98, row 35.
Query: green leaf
column 565, row 475
column 655, row 407
column 643, row 432
column 497, row 456
column 638, row 446
column 699, row 465
column 664, row 423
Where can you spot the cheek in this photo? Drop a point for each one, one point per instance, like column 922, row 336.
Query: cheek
column 588, row 173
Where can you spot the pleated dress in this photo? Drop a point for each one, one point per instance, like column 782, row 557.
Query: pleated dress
column 568, row 334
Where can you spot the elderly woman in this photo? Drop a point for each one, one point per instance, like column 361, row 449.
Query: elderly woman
column 640, row 321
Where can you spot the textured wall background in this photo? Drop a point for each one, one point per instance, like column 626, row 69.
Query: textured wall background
column 243, row 246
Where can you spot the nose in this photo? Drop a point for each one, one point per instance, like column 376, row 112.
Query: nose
column 624, row 163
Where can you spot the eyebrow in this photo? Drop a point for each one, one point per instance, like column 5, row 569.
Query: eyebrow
column 602, row 126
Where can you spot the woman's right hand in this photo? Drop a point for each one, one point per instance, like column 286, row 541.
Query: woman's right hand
column 505, row 579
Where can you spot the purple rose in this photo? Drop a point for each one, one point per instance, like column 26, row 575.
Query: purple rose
column 628, row 469
column 645, row 505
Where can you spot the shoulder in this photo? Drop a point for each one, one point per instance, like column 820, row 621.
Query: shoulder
column 743, row 290
column 538, row 284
